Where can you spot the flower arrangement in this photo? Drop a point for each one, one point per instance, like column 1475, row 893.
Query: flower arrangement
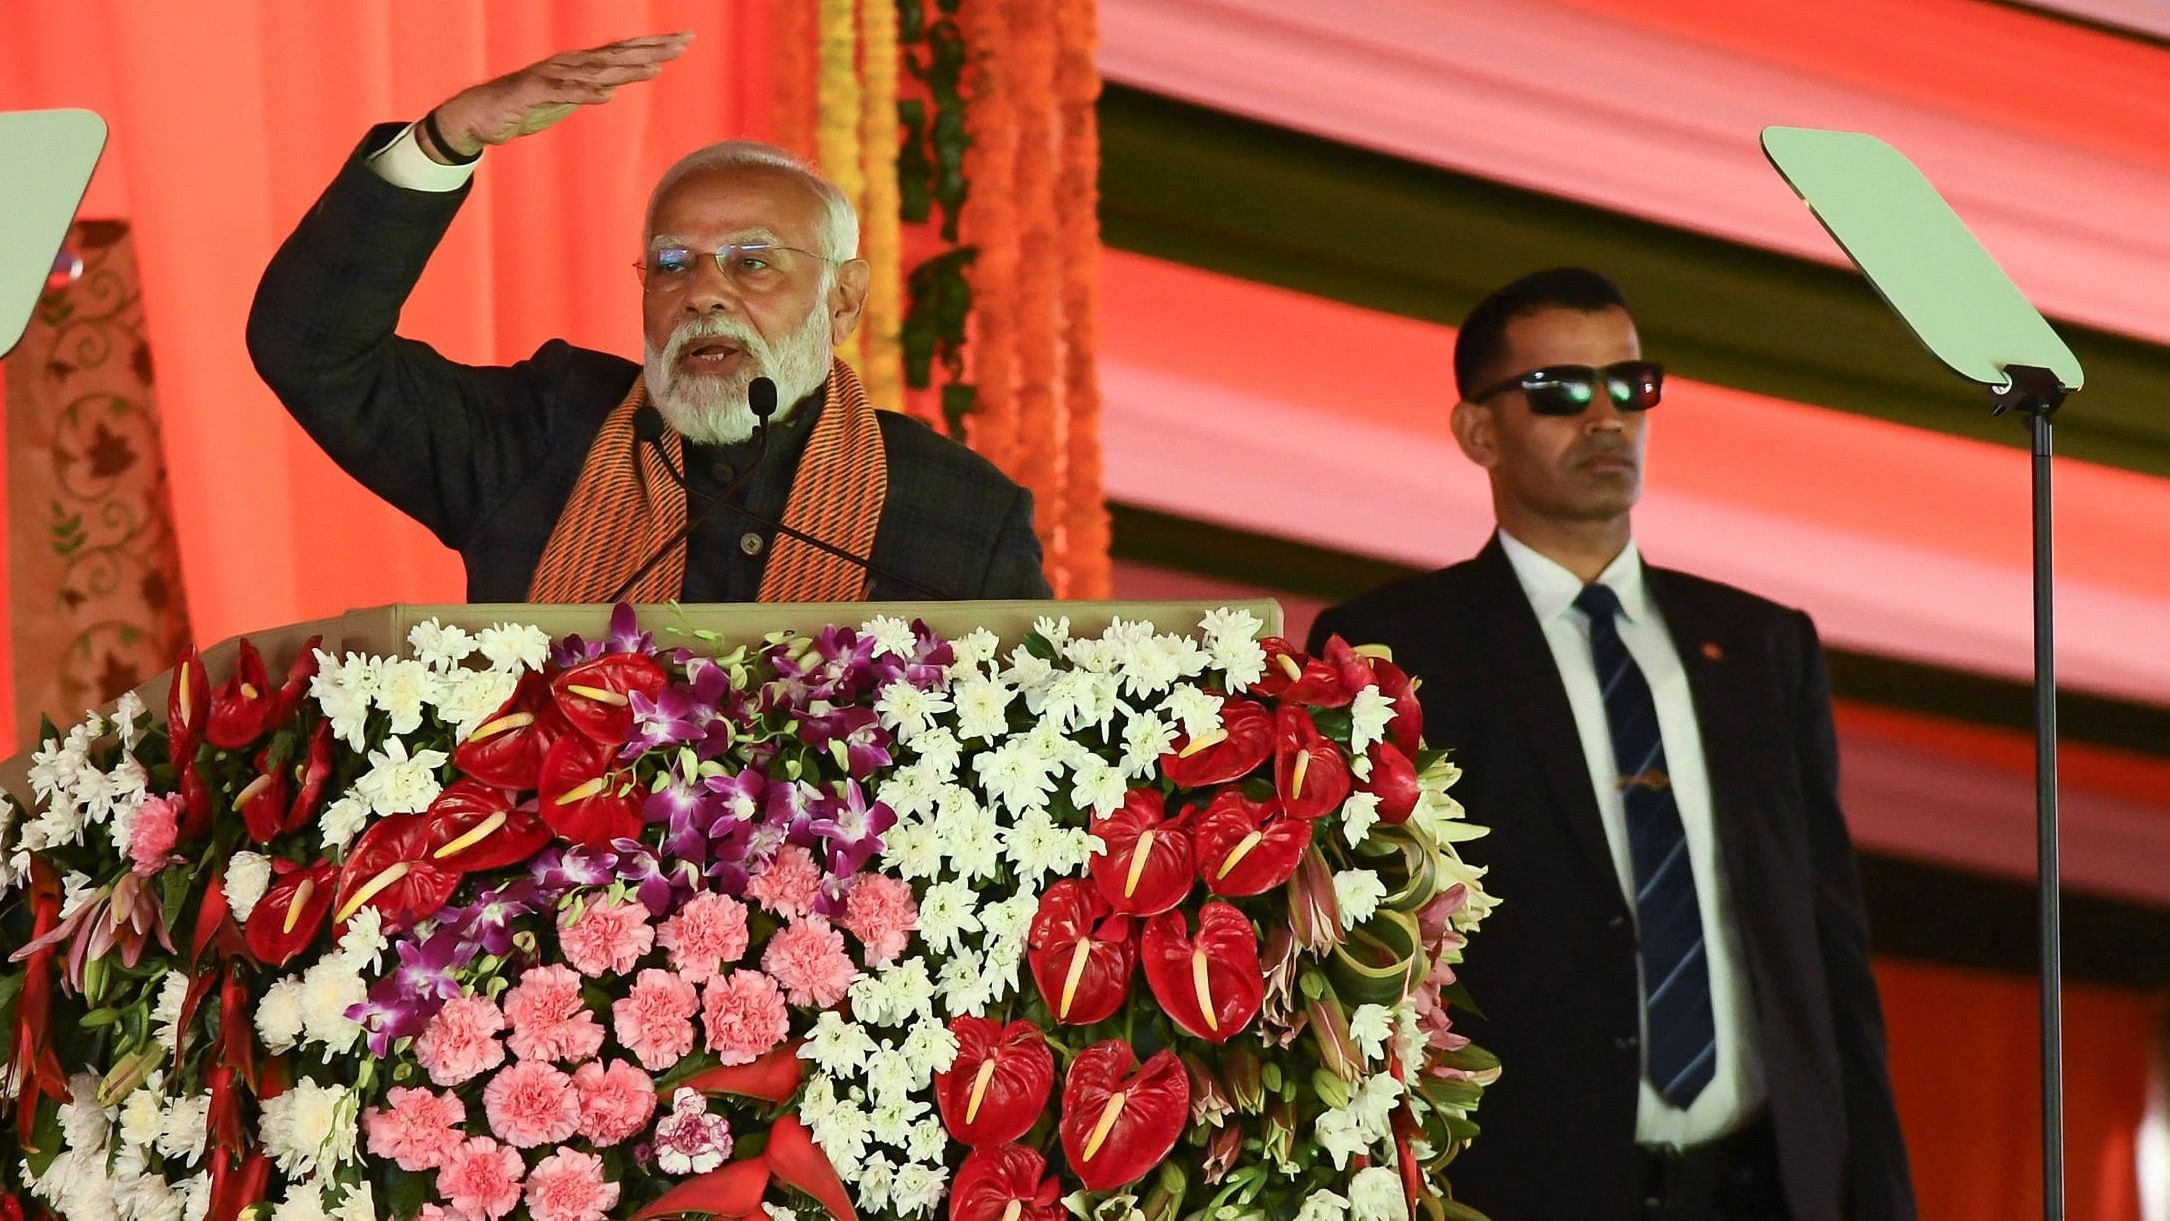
column 868, row 921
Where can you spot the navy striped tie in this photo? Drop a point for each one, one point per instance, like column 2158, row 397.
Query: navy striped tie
column 1682, row 1051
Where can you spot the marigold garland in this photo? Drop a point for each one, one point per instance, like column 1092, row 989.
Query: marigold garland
column 1040, row 442
column 792, row 88
column 1085, row 528
column 990, row 224
column 882, row 370
column 836, row 134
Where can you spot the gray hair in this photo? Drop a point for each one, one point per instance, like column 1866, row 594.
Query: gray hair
column 841, row 233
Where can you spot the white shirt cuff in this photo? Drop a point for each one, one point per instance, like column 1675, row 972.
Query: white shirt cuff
column 403, row 164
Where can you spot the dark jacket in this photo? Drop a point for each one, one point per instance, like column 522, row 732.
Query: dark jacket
column 487, row 456
column 1554, row 968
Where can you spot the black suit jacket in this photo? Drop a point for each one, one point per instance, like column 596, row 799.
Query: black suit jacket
column 1554, row 968
column 486, row 457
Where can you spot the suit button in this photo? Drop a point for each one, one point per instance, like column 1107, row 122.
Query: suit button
column 1627, row 1042
column 750, row 543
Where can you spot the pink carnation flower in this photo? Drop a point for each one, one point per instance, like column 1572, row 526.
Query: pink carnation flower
column 436, row 1212
column 808, row 959
column 790, row 883
column 882, row 915
column 745, row 1015
column 615, row 1102
column 655, row 1019
column 460, row 1042
column 569, row 1186
column 549, row 1020
column 152, row 835
column 480, row 1180
column 417, row 1130
column 689, row 1140
column 607, row 938
column 531, row 1104
column 706, row 935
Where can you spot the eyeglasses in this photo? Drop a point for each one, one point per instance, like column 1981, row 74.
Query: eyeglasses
column 755, row 267
column 1633, row 385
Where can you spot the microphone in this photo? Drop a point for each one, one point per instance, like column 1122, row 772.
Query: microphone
column 648, row 430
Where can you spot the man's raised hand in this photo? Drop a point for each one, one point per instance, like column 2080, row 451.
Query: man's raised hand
column 537, row 96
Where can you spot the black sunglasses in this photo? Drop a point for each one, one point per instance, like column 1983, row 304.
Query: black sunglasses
column 1633, row 385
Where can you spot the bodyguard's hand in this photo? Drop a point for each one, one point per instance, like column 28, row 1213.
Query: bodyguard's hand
column 539, row 95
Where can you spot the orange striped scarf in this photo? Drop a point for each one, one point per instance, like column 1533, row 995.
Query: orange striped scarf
column 619, row 514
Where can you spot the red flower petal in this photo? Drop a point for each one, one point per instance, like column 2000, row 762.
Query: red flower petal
column 297, row 683
column 1081, row 953
column 262, row 802
column 313, row 774
column 188, row 706
column 1245, row 740
column 1210, row 984
column 475, row 826
column 994, row 1178
column 1247, row 847
column 1406, row 730
column 582, row 798
column 1116, row 1124
column 242, row 704
column 390, row 868
column 1298, row 678
column 507, row 749
column 1393, row 781
column 291, row 913
column 1309, row 771
column 996, row 1088
column 1144, row 865
column 596, row 696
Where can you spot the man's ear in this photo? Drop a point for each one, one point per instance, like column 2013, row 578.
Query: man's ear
column 847, row 299
column 1476, row 430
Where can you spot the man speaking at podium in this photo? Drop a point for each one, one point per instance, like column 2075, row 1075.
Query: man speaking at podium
column 578, row 476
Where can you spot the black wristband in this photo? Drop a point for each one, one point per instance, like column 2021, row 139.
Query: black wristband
column 437, row 137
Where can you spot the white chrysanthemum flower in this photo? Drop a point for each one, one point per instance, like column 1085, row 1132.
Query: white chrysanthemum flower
column 973, row 651
column 359, row 1204
column 1146, row 737
column 841, row 1131
column 128, row 718
column 146, row 1197
column 1373, row 1105
column 364, row 942
column 1097, row 788
column 1369, row 1028
column 304, row 1202
column 908, row 711
column 890, row 1076
column 248, row 876
column 838, row 1047
column 328, row 989
column 309, row 1128
column 279, row 1018
column 1376, row 1194
column 60, row 825
column 876, row 1175
column 1229, row 624
column 84, row 1124
column 965, row 830
column 947, row 912
column 777, row 1212
column 438, row 646
column 1323, row 1206
column 514, row 647
column 932, row 1048
column 912, row 851
column 891, row 1119
column 930, row 1140
column 1081, row 699
column 1412, row 1046
column 890, row 635
column 1339, row 1136
column 982, row 706
column 1369, row 714
column 1359, row 814
column 407, row 689
column 182, row 1130
column 468, row 698
column 910, row 991
column 1030, row 675
column 400, row 783
column 166, row 1010
column 1019, row 774
column 919, row 1188
column 1357, row 892
column 938, row 751
column 1198, row 710
column 965, row 986
column 140, row 1113
column 76, row 890
column 343, row 819
column 1055, row 631
column 196, row 1196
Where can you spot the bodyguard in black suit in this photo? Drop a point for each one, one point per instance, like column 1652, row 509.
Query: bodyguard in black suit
column 755, row 277
column 1677, row 977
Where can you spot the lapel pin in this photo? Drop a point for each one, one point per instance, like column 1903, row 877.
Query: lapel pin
column 1712, row 652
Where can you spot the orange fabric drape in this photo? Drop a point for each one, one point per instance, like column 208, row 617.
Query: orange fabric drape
column 228, row 118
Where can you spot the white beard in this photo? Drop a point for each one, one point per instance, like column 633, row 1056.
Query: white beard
column 711, row 408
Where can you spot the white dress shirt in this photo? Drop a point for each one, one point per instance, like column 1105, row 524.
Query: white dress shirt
column 1736, row 1090
column 403, row 164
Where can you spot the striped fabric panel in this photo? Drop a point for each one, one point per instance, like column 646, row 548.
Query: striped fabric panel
column 842, row 484
column 616, row 517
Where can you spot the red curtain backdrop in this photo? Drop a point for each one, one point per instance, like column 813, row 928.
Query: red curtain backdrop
column 228, row 118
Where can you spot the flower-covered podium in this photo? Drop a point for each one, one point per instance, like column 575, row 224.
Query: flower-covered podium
column 992, row 911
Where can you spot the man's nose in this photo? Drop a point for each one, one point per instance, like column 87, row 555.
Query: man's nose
column 712, row 291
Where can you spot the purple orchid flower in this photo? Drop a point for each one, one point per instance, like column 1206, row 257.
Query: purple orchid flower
column 674, row 718
column 560, row 868
column 927, row 666
column 402, row 1003
column 572, row 651
column 654, row 884
column 796, row 810
column 486, row 924
column 866, row 743
column 855, row 829
column 686, row 812
column 625, row 633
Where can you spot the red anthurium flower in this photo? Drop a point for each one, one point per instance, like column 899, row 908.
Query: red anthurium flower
column 311, row 775
column 507, row 749
column 1118, row 1124
column 291, row 913
column 1244, row 740
column 1247, row 847
column 1145, row 865
column 474, row 826
column 1005, row 1183
column 1309, row 771
column 197, row 810
column 1081, row 953
column 1210, row 984
column 188, row 706
column 1298, row 678
column 1393, row 781
column 243, row 706
column 585, row 800
column 996, row 1088
column 262, row 802
column 1406, row 730
column 391, row 869
column 1352, row 670
column 596, row 696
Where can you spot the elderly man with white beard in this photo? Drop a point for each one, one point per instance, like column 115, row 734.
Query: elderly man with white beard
column 577, row 476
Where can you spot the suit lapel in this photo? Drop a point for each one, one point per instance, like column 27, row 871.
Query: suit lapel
column 1523, row 668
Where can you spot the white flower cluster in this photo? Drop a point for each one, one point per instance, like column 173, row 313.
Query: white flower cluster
column 112, row 1166
column 310, row 1009
column 76, row 794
